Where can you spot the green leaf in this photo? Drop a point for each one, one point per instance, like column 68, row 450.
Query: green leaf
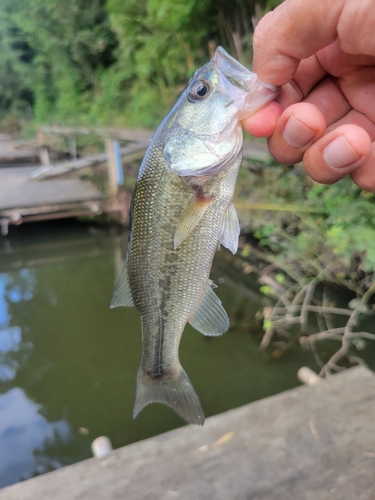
column 267, row 324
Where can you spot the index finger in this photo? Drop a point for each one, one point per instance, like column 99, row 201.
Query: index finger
column 295, row 30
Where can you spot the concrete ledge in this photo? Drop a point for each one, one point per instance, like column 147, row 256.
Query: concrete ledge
column 310, row 443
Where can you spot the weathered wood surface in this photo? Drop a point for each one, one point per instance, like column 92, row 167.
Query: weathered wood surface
column 251, row 149
column 18, row 191
column 136, row 150
column 127, row 134
column 17, row 149
column 18, row 154
column 310, row 443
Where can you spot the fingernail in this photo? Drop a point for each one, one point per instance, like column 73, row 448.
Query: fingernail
column 296, row 134
column 339, row 153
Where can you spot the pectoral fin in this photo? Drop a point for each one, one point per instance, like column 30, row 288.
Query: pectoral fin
column 210, row 318
column 191, row 216
column 231, row 230
column 122, row 295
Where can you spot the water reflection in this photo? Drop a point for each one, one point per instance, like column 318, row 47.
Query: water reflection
column 68, row 362
column 14, row 289
column 22, row 432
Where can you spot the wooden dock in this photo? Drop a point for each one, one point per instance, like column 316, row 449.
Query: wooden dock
column 22, row 200
column 32, row 192
column 309, row 443
column 55, row 190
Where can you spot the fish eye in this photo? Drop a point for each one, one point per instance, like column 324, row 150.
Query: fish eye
column 199, row 90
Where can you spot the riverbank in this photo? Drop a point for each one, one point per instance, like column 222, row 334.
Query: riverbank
column 306, row 443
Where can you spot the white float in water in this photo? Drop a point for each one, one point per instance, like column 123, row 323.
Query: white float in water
column 307, row 376
column 101, row 446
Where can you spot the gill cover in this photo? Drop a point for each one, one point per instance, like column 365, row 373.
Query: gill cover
column 206, row 133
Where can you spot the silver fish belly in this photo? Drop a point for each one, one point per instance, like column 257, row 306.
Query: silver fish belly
column 181, row 210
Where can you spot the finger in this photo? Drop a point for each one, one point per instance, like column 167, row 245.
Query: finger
column 297, row 128
column 329, row 99
column 357, row 18
column 309, row 73
column 338, row 153
column 356, row 77
column 354, row 117
column 364, row 175
column 294, row 31
column 359, row 89
column 339, row 63
column 263, row 122
column 326, row 96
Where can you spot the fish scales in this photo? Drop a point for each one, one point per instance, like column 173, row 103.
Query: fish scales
column 181, row 209
column 169, row 283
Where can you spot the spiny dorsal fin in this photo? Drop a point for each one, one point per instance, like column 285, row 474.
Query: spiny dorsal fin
column 122, row 296
column 210, row 317
column 231, row 230
column 191, row 216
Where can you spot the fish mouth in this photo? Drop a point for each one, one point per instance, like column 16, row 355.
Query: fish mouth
column 244, row 79
column 238, row 74
column 231, row 68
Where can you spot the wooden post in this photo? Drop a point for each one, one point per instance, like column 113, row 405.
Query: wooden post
column 114, row 165
column 111, row 168
column 44, row 156
column 72, row 147
column 43, row 151
column 41, row 137
column 118, row 161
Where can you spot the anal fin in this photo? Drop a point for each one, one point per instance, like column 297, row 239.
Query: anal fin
column 192, row 215
column 210, row 317
column 122, row 296
column 231, row 230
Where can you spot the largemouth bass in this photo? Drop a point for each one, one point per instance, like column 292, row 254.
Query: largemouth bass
column 181, row 211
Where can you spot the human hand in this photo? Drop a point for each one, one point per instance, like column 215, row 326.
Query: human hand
column 322, row 53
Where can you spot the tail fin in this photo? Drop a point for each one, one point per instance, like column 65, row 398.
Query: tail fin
column 177, row 393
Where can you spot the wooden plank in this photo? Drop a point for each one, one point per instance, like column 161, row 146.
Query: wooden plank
column 17, row 190
column 309, row 443
column 46, row 172
column 18, row 154
column 128, row 134
column 12, row 213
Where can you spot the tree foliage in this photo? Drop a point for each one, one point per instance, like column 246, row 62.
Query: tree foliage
column 111, row 60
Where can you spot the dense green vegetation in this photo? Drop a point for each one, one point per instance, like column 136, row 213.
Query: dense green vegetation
column 318, row 245
column 112, row 61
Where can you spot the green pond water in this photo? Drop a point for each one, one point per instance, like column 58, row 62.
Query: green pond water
column 68, row 363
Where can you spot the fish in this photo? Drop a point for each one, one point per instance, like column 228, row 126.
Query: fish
column 181, row 212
